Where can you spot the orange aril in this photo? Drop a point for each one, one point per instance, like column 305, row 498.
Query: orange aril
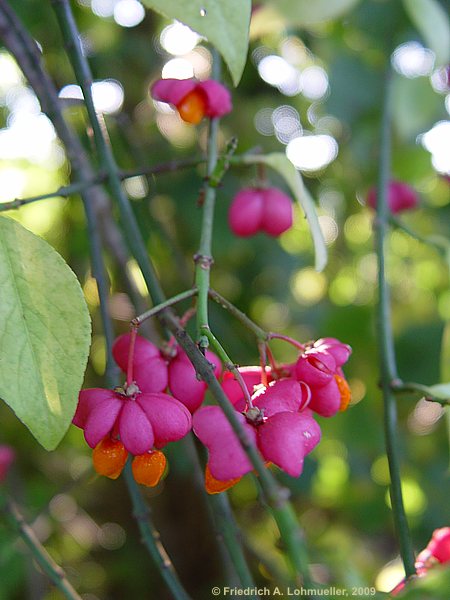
column 148, row 468
column 109, row 457
column 344, row 389
column 215, row 486
column 192, row 107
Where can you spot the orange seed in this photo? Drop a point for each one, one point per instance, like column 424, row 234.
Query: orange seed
column 344, row 389
column 192, row 107
column 148, row 468
column 215, row 486
column 109, row 457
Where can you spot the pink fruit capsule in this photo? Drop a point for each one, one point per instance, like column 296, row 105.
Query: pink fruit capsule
column 315, row 367
column 183, row 382
column 401, row 197
column 326, row 400
column 246, row 212
column 149, row 366
column 277, row 212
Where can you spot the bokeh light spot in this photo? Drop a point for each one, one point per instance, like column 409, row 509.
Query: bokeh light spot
column 308, row 286
column 312, row 152
column 128, row 13
column 178, row 39
column 412, row 60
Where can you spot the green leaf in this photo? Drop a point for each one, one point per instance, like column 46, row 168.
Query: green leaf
column 307, row 12
column 225, row 24
column 432, row 21
column 280, row 163
column 45, row 333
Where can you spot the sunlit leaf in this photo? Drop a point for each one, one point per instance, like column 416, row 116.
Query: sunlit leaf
column 45, row 334
column 306, row 12
column 280, row 163
column 440, row 391
column 432, row 21
column 224, row 24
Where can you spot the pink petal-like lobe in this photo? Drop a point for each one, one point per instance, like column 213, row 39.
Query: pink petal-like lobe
column 87, row 401
column 246, row 212
column 281, row 441
column 439, row 545
column 311, row 431
column 172, row 90
column 401, row 197
column 227, row 459
column 153, row 376
column 252, row 378
column 339, row 351
column 170, row 419
column 183, row 382
column 282, row 395
column 101, row 419
column 326, row 400
column 135, row 430
column 218, row 98
column 277, row 212
column 144, row 351
column 316, row 368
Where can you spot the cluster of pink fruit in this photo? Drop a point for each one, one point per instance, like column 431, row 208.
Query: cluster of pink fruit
column 400, row 197
column 276, row 412
column 253, row 209
column 268, row 210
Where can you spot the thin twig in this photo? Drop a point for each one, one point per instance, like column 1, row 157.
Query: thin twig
column 79, row 186
column 386, row 342
column 29, row 59
column 149, row 535
column 238, row 314
column 171, row 166
column 55, row 573
column 28, row 56
column 278, row 336
column 151, row 538
column 226, row 527
column 276, row 497
column 83, row 75
column 166, row 304
column 62, row 192
column 439, row 243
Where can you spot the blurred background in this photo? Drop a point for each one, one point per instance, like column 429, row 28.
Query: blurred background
column 311, row 88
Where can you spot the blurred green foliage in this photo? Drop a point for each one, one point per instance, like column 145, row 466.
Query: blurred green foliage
column 342, row 497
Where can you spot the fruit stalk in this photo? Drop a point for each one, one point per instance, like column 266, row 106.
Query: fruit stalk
column 284, row 515
column 203, row 258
